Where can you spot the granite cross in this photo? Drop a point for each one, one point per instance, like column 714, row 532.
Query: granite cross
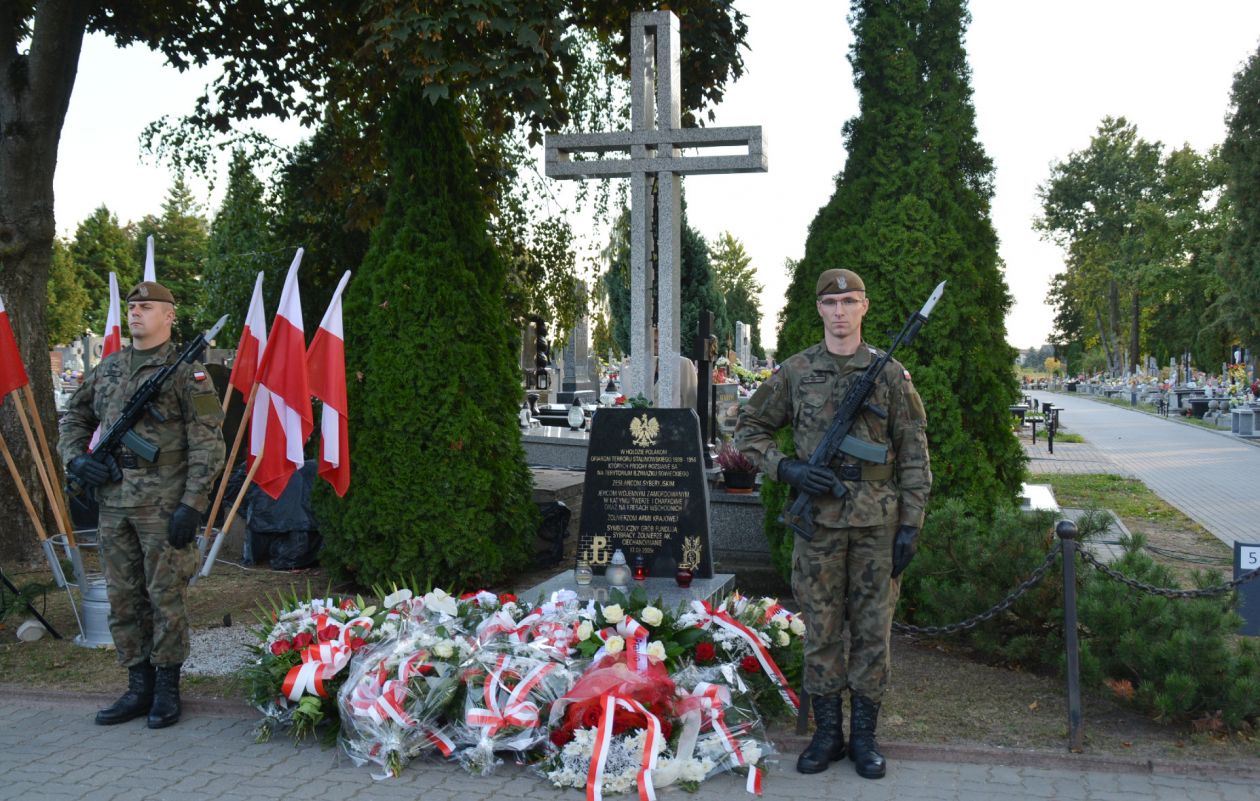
column 650, row 153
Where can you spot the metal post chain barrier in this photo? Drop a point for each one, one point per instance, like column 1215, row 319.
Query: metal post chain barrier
column 1033, row 580
column 1168, row 592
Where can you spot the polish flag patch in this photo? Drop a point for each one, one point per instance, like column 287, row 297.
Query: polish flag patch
column 200, row 375
column 906, row 373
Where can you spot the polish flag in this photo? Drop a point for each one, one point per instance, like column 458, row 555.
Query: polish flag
column 252, row 345
column 287, row 402
column 150, row 274
column 113, row 338
column 12, row 371
column 326, row 366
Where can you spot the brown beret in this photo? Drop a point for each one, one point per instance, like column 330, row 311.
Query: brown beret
column 151, row 290
column 834, row 282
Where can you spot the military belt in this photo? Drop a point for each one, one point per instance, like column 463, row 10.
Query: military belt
column 859, row 472
column 131, row 461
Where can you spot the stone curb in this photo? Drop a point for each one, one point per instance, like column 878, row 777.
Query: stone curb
column 787, row 743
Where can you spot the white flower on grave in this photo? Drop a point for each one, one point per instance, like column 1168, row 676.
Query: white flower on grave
column 395, row 598
column 650, row 615
column 784, row 639
column 444, row 649
column 797, row 626
column 440, row 602
column 656, row 650
column 585, row 630
column 780, row 622
column 614, row 614
column 614, row 644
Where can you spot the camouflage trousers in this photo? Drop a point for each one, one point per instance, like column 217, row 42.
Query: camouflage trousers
column 147, row 583
column 846, row 570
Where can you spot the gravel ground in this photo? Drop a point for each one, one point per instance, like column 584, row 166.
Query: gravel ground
column 220, row 651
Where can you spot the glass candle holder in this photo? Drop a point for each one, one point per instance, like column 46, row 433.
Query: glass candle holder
column 640, row 569
column 582, row 574
column 618, row 572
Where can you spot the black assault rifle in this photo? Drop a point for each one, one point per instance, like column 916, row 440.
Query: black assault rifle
column 140, row 404
column 800, row 517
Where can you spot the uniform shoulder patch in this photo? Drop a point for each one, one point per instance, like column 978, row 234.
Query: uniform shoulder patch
column 906, row 373
column 206, row 404
column 200, row 375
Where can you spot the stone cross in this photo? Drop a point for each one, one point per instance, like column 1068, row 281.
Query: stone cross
column 650, row 153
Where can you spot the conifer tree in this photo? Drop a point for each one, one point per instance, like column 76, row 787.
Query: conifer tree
column 101, row 246
column 241, row 245
column 67, row 299
column 180, row 237
column 440, row 493
column 911, row 209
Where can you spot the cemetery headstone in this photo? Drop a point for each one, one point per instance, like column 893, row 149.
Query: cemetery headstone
column 575, row 359
column 645, row 492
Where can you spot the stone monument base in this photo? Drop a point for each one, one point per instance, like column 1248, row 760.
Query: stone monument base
column 666, row 589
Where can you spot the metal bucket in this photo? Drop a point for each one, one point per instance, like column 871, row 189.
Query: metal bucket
column 95, row 615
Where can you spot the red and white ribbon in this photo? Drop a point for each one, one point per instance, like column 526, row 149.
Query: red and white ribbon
column 516, row 709
column 635, row 636
column 603, row 738
column 720, row 618
column 320, row 662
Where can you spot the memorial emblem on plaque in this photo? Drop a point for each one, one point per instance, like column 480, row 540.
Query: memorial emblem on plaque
column 645, row 492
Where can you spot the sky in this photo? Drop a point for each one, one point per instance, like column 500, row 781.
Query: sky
column 1044, row 73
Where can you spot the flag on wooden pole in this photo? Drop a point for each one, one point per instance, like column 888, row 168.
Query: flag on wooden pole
column 287, row 401
column 113, row 338
column 252, row 345
column 326, row 369
column 12, row 370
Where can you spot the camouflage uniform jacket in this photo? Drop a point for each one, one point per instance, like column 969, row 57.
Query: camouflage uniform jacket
column 190, row 439
column 805, row 393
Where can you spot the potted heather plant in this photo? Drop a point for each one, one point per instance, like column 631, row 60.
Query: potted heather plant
column 738, row 472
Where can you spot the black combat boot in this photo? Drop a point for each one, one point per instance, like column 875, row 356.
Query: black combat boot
column 135, row 702
column 165, row 711
column 828, row 743
column 863, row 749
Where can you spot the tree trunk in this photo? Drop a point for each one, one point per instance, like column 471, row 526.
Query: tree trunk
column 1135, row 353
column 1106, row 341
column 34, row 94
column 1113, row 325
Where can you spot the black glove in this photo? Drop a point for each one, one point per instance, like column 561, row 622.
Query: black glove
column 183, row 528
column 903, row 548
column 94, row 472
column 806, row 477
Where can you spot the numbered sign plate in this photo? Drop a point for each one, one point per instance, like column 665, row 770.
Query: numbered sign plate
column 1247, row 559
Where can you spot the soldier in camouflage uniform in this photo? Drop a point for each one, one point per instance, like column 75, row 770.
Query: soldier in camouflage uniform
column 861, row 542
column 149, row 511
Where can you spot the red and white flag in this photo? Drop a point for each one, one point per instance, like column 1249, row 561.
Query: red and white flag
column 326, row 368
column 283, row 393
column 150, row 274
column 253, row 343
column 12, row 371
column 113, row 338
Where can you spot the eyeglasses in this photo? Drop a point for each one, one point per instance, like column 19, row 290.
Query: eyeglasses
column 848, row 304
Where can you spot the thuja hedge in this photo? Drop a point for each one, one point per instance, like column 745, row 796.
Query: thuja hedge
column 440, row 492
column 1180, row 657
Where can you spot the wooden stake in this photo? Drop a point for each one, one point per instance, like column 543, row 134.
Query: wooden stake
column 48, row 457
column 40, row 467
column 227, row 395
column 213, row 551
column 231, row 460
column 26, row 498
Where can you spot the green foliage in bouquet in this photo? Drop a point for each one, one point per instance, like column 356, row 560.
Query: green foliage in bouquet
column 440, row 489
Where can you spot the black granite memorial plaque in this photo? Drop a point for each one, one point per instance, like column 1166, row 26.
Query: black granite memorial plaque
column 645, row 492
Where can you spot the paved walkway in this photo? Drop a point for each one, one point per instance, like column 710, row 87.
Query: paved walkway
column 1212, row 477
column 51, row 750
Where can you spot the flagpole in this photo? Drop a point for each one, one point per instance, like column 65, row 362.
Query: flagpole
column 40, row 468
column 227, row 397
column 231, row 515
column 59, row 496
column 26, row 498
column 231, row 460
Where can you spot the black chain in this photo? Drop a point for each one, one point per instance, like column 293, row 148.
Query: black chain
column 1033, row 580
column 1207, row 592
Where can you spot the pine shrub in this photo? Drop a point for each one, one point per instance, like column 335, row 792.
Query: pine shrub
column 440, row 493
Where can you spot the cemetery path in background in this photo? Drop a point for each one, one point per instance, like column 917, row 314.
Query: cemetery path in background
column 1210, row 476
column 49, row 749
